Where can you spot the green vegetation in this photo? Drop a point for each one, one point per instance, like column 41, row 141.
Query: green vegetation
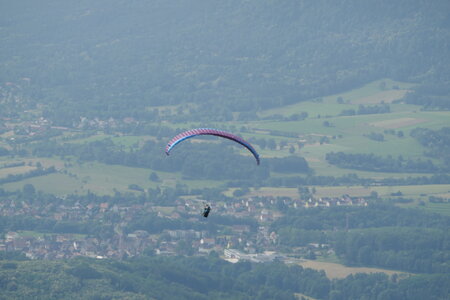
column 379, row 236
column 347, row 103
column 311, row 139
column 198, row 278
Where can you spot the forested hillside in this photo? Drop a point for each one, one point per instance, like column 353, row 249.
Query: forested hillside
column 205, row 278
column 96, row 59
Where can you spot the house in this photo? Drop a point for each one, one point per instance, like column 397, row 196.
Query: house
column 104, row 207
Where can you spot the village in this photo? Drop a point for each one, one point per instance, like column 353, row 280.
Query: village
column 252, row 240
column 232, row 242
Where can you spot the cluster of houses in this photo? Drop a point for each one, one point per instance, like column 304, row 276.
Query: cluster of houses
column 168, row 242
column 335, row 201
column 234, row 255
column 41, row 126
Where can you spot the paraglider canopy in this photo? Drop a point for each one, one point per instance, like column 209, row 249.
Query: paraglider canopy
column 208, row 131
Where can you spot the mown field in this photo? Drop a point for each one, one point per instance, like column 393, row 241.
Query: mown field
column 338, row 271
column 101, row 178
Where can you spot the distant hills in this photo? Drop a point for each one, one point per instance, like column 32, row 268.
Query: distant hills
column 117, row 57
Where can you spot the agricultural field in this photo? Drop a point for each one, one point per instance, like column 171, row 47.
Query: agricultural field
column 305, row 138
column 338, row 271
column 414, row 192
column 5, row 171
column 95, row 177
column 379, row 91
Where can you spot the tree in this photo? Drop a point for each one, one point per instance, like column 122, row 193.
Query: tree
column 28, row 190
column 326, row 124
column 271, row 144
column 154, row 177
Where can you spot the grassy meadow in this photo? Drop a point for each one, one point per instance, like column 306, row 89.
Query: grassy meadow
column 344, row 133
column 338, row 271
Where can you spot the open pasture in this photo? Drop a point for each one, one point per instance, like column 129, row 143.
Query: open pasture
column 407, row 191
column 99, row 178
column 381, row 97
column 95, row 177
column 58, row 184
column 338, row 271
column 4, row 172
column 349, row 134
column 386, row 90
column 275, row 192
column 397, row 123
column 123, row 140
column 357, row 124
column 337, row 191
column 344, row 133
column 413, row 190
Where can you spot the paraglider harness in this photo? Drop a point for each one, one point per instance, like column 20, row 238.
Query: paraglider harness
column 206, row 210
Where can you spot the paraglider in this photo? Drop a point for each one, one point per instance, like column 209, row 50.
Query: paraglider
column 208, row 131
column 206, row 210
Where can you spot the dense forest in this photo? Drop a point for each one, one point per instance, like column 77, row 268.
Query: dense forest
column 381, row 235
column 213, row 58
column 201, row 278
column 437, row 142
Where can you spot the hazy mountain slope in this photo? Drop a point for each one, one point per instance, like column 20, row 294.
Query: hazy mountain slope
column 107, row 55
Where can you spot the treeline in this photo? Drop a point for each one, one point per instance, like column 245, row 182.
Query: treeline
column 379, row 137
column 380, row 235
column 431, row 96
column 437, row 142
column 349, row 179
column 375, row 163
column 3, row 151
column 194, row 160
column 51, row 226
column 372, row 216
column 160, row 278
column 418, row 250
column 367, row 110
column 33, row 173
column 12, row 165
column 201, row 279
column 381, row 287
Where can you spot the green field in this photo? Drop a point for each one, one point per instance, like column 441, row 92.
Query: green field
column 100, row 178
column 345, row 133
column 126, row 141
column 4, row 172
column 408, row 191
column 329, row 105
column 337, row 271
